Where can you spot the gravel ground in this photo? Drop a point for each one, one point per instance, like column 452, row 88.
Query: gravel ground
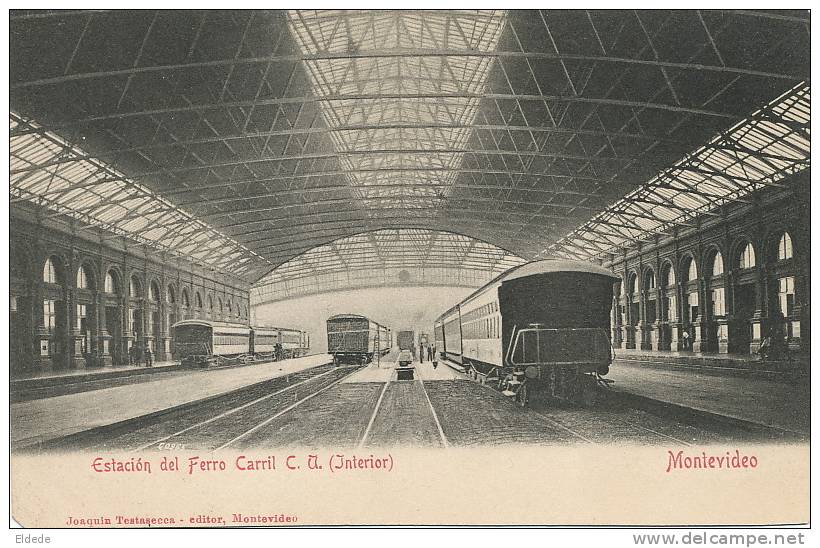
column 472, row 414
column 404, row 418
column 336, row 419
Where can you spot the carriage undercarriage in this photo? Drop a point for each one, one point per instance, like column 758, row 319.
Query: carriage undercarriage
column 571, row 383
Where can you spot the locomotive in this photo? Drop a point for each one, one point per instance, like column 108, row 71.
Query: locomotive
column 544, row 325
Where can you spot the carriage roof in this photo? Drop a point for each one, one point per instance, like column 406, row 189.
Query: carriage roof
column 546, row 266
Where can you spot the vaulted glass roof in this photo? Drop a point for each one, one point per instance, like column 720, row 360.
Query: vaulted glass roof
column 98, row 194
column 760, row 151
column 387, row 257
column 244, row 139
column 418, row 133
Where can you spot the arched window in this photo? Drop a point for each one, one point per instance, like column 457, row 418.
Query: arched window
column 717, row 265
column 50, row 272
column 219, row 302
column 135, row 288
column 747, row 258
column 210, row 303
column 110, row 283
column 198, row 300
column 649, row 280
column 153, row 292
column 784, row 248
column 693, row 271
column 83, row 278
column 169, row 295
column 185, row 301
column 668, row 276
column 633, row 283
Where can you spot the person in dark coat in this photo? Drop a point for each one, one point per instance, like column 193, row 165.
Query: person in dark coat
column 149, row 358
column 429, row 353
column 132, row 355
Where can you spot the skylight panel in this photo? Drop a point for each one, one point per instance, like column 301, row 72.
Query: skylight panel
column 737, row 170
column 48, row 170
column 387, row 84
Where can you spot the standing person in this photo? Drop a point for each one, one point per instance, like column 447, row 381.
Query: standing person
column 132, row 357
column 429, row 353
column 686, row 339
column 149, row 358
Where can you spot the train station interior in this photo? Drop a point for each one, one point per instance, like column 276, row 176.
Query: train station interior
column 279, row 167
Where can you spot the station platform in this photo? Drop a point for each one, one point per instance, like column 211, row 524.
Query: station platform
column 768, row 402
column 48, row 378
column 728, row 363
column 426, row 372
column 43, row 419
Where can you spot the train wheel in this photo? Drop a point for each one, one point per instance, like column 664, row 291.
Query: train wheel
column 522, row 397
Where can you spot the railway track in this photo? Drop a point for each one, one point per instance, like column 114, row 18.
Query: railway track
column 178, row 424
column 623, row 417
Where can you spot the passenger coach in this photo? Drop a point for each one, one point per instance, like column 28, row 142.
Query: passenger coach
column 203, row 343
column 543, row 325
column 352, row 338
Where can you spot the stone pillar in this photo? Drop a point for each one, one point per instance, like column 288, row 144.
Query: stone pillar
column 74, row 346
column 674, row 330
column 722, row 335
column 646, row 335
column 659, row 341
column 103, row 336
column 758, row 320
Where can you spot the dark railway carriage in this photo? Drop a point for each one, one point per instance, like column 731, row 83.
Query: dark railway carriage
column 544, row 325
column 200, row 343
column 352, row 338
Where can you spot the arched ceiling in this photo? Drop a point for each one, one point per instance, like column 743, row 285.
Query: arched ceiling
column 243, row 139
column 390, row 257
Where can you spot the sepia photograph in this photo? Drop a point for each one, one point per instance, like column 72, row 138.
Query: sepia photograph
column 409, row 267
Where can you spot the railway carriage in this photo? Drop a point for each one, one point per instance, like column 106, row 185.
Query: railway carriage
column 543, row 325
column 291, row 340
column 352, row 338
column 201, row 343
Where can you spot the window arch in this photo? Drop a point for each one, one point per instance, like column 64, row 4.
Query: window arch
column 649, row 280
column 170, row 296
column 198, row 299
column 50, row 272
column 747, row 257
column 219, row 303
column 717, row 265
column 691, row 270
column 633, row 284
column 186, row 302
column 784, row 247
column 153, row 292
column 135, row 288
column 111, row 285
column 84, row 278
column 210, row 303
column 667, row 275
